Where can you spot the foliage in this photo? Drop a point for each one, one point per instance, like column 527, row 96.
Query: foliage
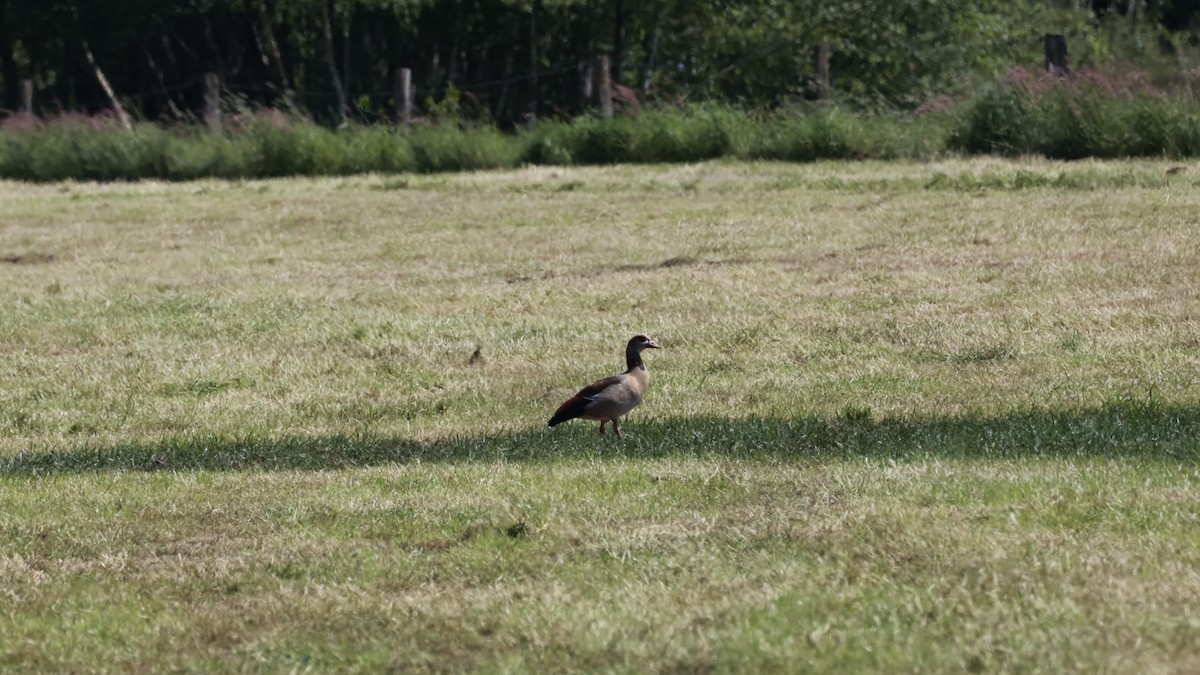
column 455, row 149
column 507, row 62
column 548, row 143
column 697, row 133
column 1092, row 114
column 898, row 52
column 996, row 123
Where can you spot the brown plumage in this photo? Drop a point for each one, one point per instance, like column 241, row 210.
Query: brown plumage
column 610, row 398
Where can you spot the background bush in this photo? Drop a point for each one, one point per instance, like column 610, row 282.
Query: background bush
column 1088, row 115
column 1092, row 114
column 449, row 148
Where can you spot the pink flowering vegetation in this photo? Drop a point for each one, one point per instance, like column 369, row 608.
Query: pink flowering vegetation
column 16, row 122
column 1112, row 82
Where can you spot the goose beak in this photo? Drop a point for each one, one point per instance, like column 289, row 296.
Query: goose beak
column 651, row 344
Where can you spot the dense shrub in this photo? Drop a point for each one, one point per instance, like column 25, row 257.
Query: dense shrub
column 692, row 135
column 378, row 149
column 819, row 134
column 1091, row 114
column 996, row 123
column 301, row 149
column 547, row 143
column 449, row 148
column 594, row 140
column 1088, row 115
column 196, row 154
column 85, row 148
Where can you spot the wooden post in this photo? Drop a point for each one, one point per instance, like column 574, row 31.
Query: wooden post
column 652, row 47
column 604, row 86
column 108, row 90
column 403, row 95
column 821, row 63
column 1056, row 55
column 212, row 101
column 26, row 87
column 587, row 80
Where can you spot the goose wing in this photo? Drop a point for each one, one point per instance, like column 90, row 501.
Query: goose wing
column 578, row 404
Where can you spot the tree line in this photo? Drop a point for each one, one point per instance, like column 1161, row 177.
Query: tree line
column 511, row 61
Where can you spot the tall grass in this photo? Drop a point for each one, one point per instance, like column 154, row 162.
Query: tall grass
column 453, row 149
column 1092, row 114
column 1089, row 115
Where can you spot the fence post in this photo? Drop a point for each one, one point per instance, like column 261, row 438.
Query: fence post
column 587, row 80
column 26, row 97
column 108, row 90
column 212, row 101
column 604, row 86
column 403, row 95
column 1056, row 55
column 821, row 62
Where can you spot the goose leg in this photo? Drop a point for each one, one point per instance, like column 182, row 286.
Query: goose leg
column 617, row 427
column 602, row 423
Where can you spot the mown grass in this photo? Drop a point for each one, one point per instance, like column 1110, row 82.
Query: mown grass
column 924, row 417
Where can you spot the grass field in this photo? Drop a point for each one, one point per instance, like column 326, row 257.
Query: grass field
column 908, row 418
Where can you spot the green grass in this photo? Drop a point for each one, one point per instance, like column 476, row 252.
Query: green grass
column 908, row 417
column 1090, row 115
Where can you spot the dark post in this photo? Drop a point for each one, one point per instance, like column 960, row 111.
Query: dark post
column 1056, row 55
column 212, row 101
column 26, row 97
column 403, row 95
column 604, row 86
column 821, row 61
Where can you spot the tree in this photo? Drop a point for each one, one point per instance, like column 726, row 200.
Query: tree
column 514, row 59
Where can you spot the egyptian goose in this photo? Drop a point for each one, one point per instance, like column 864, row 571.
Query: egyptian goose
column 607, row 399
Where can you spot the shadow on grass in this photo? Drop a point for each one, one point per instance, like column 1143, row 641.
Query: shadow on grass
column 1120, row 430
